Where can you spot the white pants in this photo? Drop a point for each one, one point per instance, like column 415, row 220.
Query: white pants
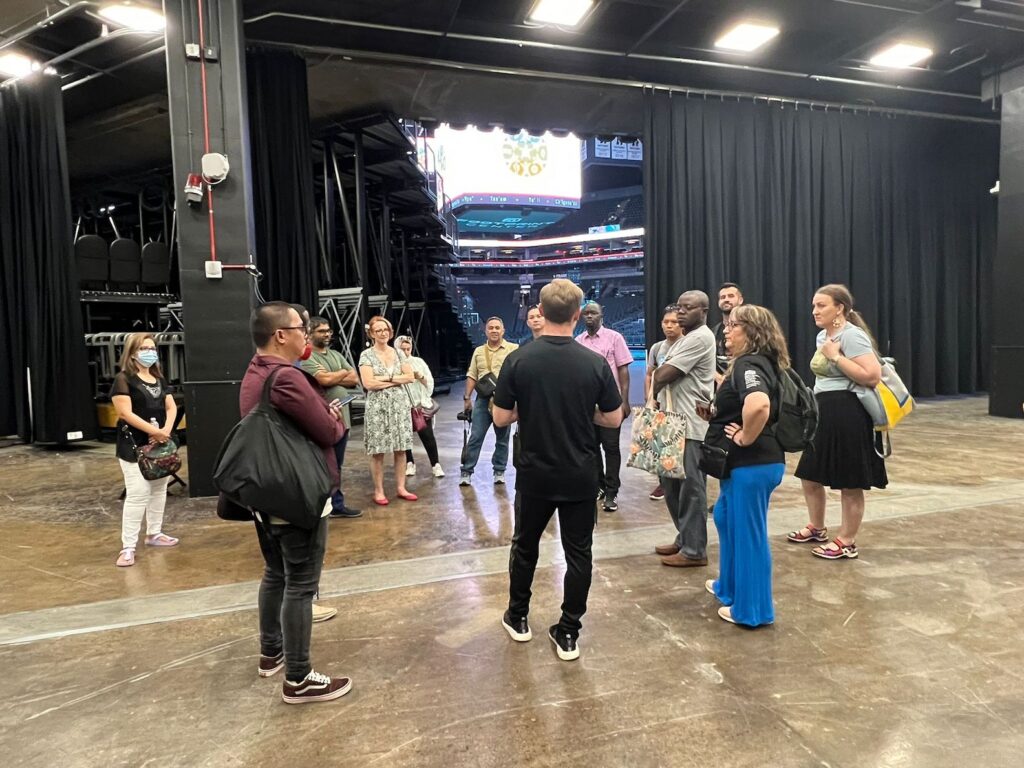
column 143, row 497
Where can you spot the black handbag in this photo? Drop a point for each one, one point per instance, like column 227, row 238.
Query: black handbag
column 267, row 463
column 714, row 455
column 232, row 510
column 486, row 385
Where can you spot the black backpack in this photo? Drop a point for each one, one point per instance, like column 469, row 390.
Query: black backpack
column 797, row 419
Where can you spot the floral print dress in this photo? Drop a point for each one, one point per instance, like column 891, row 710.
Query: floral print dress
column 387, row 423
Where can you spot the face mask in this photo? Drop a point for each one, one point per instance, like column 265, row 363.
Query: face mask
column 306, row 352
column 148, row 357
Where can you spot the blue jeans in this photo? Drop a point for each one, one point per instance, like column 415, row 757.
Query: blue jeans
column 338, row 497
column 481, row 422
column 745, row 560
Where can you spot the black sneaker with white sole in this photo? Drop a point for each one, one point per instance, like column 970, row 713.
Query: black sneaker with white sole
column 518, row 629
column 610, row 504
column 565, row 644
column 315, row 687
column 271, row 665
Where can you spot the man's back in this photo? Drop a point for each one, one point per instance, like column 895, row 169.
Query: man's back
column 556, row 384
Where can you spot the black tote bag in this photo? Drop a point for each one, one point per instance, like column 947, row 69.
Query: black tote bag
column 268, row 464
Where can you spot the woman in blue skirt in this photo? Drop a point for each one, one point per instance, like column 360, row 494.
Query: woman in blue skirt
column 745, row 404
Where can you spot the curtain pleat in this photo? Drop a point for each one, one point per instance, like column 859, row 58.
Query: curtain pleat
column 42, row 338
column 284, row 208
column 782, row 200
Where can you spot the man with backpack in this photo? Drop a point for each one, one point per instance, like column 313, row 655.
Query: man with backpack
column 685, row 378
column 293, row 555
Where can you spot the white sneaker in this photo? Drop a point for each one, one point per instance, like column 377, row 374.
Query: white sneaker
column 410, row 469
column 499, row 478
column 438, row 472
column 464, row 479
column 323, row 613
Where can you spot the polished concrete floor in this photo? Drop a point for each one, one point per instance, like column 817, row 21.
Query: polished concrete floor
column 910, row 656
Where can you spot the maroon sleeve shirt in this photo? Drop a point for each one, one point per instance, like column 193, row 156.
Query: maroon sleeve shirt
column 294, row 395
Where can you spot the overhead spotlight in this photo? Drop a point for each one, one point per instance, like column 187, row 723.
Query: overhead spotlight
column 141, row 18
column 747, row 36
column 16, row 65
column 901, row 55
column 563, row 13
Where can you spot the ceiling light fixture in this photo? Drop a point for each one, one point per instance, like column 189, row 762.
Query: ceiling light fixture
column 138, row 17
column 564, row 13
column 16, row 65
column 901, row 55
column 746, row 37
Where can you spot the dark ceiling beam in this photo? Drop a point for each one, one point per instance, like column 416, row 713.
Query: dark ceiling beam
column 891, row 32
column 657, row 25
column 419, row 61
column 544, row 45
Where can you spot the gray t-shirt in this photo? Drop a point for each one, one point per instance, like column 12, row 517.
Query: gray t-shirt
column 694, row 356
column 853, row 342
column 658, row 352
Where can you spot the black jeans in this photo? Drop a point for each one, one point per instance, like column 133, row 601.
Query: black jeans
column 576, row 523
column 294, row 558
column 429, row 442
column 338, row 497
column 608, row 471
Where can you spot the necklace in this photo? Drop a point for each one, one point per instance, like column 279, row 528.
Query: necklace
column 153, row 389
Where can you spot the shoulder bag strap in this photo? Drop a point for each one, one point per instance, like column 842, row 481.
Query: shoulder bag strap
column 487, row 355
column 267, row 386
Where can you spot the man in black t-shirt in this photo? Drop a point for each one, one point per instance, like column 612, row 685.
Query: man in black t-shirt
column 729, row 297
column 557, row 390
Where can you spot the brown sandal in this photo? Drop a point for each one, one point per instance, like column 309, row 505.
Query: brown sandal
column 815, row 534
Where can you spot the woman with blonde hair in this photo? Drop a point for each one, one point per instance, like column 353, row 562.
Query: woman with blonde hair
column 746, row 403
column 387, row 422
column 843, row 456
column 145, row 414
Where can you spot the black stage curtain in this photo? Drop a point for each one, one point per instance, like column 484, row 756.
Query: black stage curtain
column 284, row 208
column 782, row 200
column 42, row 338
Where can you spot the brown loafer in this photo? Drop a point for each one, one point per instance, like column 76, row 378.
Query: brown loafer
column 666, row 549
column 680, row 560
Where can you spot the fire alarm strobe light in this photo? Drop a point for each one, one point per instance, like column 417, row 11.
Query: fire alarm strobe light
column 194, row 190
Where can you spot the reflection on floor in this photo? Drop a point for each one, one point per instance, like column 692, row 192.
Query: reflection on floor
column 910, row 656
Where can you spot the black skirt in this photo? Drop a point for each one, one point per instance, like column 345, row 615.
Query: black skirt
column 843, row 455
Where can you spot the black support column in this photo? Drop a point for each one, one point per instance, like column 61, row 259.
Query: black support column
column 1006, row 391
column 216, row 311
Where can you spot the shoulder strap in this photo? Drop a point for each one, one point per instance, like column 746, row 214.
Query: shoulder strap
column 487, row 354
column 268, row 385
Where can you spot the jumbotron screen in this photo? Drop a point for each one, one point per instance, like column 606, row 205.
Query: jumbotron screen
column 489, row 168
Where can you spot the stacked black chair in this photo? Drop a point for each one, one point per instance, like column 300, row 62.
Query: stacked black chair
column 156, row 265
column 125, row 264
column 92, row 255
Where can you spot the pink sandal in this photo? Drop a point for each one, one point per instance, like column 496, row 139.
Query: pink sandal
column 815, row 534
column 161, row 540
column 844, row 550
column 125, row 558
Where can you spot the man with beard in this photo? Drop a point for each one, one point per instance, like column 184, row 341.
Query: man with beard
column 729, row 297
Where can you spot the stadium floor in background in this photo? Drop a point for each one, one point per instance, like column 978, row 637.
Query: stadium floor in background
column 909, row 656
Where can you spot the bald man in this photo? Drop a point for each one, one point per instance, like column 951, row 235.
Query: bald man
column 688, row 375
column 612, row 347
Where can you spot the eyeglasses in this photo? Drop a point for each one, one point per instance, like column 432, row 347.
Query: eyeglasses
column 305, row 331
column 730, row 324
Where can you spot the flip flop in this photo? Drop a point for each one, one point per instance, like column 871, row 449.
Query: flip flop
column 125, row 558
column 161, row 540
